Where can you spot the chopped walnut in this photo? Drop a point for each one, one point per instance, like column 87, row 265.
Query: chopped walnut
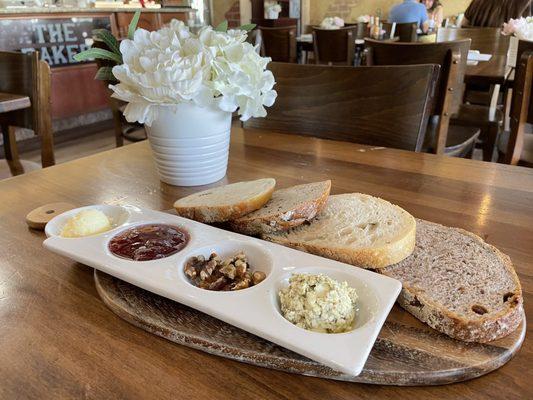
column 258, row 277
column 229, row 270
column 222, row 275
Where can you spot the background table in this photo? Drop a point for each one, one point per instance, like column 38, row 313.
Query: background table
column 486, row 40
column 58, row 340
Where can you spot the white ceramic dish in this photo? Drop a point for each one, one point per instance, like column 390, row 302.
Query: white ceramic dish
column 255, row 309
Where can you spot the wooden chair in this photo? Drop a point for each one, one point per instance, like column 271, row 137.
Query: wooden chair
column 486, row 40
column 451, row 56
column 334, row 46
column 524, row 46
column 279, row 43
column 481, row 97
column 254, row 38
column 25, row 103
column 516, row 147
column 379, row 106
column 133, row 132
column 406, row 32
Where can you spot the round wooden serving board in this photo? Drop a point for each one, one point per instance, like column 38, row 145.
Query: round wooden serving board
column 406, row 352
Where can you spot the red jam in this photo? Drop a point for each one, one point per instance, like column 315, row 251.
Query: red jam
column 149, row 242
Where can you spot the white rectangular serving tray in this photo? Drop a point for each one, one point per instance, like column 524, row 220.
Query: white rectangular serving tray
column 255, row 309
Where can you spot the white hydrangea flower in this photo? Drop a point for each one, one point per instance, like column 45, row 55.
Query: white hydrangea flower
column 211, row 69
column 332, row 23
column 522, row 28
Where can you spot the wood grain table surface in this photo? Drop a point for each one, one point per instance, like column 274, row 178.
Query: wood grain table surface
column 11, row 102
column 492, row 72
column 58, row 340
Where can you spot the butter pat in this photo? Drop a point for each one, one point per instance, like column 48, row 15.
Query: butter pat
column 86, row 223
column 318, row 303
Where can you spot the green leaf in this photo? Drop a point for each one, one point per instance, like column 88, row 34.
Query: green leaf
column 133, row 24
column 105, row 74
column 222, row 27
column 103, row 35
column 93, row 53
column 247, row 27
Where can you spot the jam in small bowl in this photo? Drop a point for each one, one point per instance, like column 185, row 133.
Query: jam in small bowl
column 148, row 242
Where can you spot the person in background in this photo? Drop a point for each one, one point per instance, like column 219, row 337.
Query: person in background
column 410, row 11
column 435, row 12
column 493, row 13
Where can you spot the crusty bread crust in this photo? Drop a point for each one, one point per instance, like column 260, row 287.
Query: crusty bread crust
column 305, row 211
column 372, row 258
column 223, row 213
column 482, row 329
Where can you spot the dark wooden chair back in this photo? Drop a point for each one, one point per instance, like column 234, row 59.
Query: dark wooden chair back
column 406, row 32
column 524, row 46
column 486, row 40
column 520, row 106
column 25, row 74
column 279, row 43
column 451, row 56
column 379, row 106
column 335, row 46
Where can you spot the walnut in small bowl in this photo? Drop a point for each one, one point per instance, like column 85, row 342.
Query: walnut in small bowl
column 217, row 274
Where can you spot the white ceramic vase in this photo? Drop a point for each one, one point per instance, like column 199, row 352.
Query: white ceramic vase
column 512, row 53
column 190, row 144
column 272, row 14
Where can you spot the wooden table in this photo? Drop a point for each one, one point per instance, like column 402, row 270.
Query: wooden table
column 58, row 340
column 12, row 102
column 492, row 72
column 487, row 41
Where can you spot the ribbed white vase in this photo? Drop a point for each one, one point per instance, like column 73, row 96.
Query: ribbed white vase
column 190, row 144
column 512, row 53
column 271, row 14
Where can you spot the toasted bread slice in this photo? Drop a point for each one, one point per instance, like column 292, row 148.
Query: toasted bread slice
column 357, row 229
column 459, row 285
column 286, row 209
column 227, row 202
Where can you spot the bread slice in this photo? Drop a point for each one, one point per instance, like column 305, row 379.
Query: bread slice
column 459, row 285
column 356, row 229
column 286, row 209
column 227, row 202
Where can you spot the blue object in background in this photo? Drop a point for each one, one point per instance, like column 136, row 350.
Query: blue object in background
column 409, row 11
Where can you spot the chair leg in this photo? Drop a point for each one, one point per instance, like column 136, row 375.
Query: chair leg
column 501, row 157
column 47, row 146
column 470, row 152
column 117, row 120
column 11, row 151
column 490, row 135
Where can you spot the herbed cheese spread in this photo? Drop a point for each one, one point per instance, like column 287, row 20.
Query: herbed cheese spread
column 318, row 303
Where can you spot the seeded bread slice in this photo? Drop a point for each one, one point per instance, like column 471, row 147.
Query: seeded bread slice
column 357, row 229
column 286, row 209
column 459, row 285
column 227, row 202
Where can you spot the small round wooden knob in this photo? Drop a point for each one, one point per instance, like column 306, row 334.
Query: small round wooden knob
column 38, row 218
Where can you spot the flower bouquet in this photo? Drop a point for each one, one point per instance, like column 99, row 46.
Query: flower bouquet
column 332, row 23
column 184, row 87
